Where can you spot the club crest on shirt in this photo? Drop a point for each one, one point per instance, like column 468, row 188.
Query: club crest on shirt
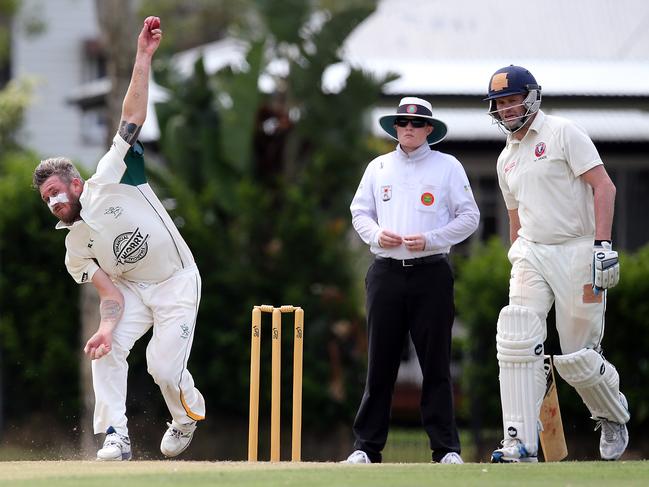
column 510, row 165
column 427, row 198
column 129, row 247
column 386, row 193
column 539, row 150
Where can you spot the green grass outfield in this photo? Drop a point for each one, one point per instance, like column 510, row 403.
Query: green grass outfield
column 197, row 474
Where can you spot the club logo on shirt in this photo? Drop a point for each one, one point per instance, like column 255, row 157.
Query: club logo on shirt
column 427, row 199
column 116, row 211
column 510, row 165
column 184, row 331
column 386, row 193
column 129, row 247
column 539, row 150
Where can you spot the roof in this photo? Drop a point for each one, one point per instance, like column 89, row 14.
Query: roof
column 474, row 124
column 95, row 91
column 581, row 47
column 569, row 78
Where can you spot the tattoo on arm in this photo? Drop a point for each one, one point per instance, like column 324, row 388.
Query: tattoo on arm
column 110, row 310
column 129, row 131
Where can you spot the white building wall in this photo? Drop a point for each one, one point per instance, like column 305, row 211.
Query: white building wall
column 54, row 58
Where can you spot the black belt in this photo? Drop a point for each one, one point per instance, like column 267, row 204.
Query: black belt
column 429, row 259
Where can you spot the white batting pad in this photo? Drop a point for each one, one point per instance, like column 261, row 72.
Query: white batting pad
column 519, row 342
column 596, row 381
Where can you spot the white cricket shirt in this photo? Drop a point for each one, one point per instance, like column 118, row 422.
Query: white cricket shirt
column 425, row 192
column 539, row 176
column 124, row 229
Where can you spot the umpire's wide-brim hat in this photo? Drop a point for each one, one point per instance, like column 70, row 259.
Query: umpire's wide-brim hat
column 413, row 107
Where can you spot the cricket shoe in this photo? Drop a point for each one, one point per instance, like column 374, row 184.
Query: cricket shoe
column 358, row 456
column 614, row 437
column 116, row 447
column 512, row 451
column 452, row 457
column 177, row 438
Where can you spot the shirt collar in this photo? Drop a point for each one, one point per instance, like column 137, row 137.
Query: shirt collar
column 535, row 126
column 60, row 225
column 419, row 153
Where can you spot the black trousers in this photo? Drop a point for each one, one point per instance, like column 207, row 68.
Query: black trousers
column 419, row 300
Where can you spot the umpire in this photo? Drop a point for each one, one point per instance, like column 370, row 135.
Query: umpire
column 411, row 206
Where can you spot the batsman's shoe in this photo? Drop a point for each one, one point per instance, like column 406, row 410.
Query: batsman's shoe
column 512, row 451
column 358, row 456
column 177, row 438
column 451, row 457
column 116, row 447
column 614, row 437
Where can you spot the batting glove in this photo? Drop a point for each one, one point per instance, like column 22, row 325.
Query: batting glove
column 606, row 267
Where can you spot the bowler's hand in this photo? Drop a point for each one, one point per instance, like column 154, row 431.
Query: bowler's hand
column 100, row 344
column 150, row 36
column 606, row 267
column 415, row 242
column 389, row 240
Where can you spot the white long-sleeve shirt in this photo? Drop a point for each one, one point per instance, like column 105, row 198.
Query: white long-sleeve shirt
column 424, row 192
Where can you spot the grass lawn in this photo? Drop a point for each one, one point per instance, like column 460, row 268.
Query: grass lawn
column 197, row 474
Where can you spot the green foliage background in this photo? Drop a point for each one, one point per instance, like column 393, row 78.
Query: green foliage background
column 262, row 185
column 482, row 291
column 259, row 184
column 39, row 312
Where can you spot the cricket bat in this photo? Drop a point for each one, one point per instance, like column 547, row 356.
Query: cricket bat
column 552, row 438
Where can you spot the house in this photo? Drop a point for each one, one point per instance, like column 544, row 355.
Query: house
column 590, row 56
column 56, row 44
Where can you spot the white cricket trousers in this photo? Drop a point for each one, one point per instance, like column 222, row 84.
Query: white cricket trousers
column 170, row 307
column 561, row 274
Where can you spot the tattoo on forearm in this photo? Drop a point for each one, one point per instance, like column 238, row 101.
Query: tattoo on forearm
column 129, row 131
column 110, row 310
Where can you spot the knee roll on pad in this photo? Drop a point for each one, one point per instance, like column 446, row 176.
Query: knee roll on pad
column 597, row 382
column 519, row 342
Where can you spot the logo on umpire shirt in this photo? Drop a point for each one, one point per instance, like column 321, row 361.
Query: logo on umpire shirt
column 184, row 331
column 427, row 198
column 386, row 193
column 129, row 247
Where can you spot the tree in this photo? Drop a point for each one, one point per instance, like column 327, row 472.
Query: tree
column 261, row 184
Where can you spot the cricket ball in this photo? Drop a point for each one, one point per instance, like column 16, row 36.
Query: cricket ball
column 154, row 23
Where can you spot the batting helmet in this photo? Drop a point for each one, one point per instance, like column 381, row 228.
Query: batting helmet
column 514, row 80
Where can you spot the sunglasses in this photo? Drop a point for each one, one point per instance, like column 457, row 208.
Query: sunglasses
column 416, row 123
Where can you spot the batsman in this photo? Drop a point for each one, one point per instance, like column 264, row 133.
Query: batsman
column 560, row 202
column 121, row 239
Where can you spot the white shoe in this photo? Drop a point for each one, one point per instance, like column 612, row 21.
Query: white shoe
column 177, row 438
column 451, row 457
column 359, row 456
column 512, row 451
column 614, row 437
column 116, row 447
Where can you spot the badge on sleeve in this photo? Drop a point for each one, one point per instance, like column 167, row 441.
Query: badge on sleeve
column 386, row 192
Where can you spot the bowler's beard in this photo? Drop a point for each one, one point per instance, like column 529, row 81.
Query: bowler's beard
column 74, row 213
